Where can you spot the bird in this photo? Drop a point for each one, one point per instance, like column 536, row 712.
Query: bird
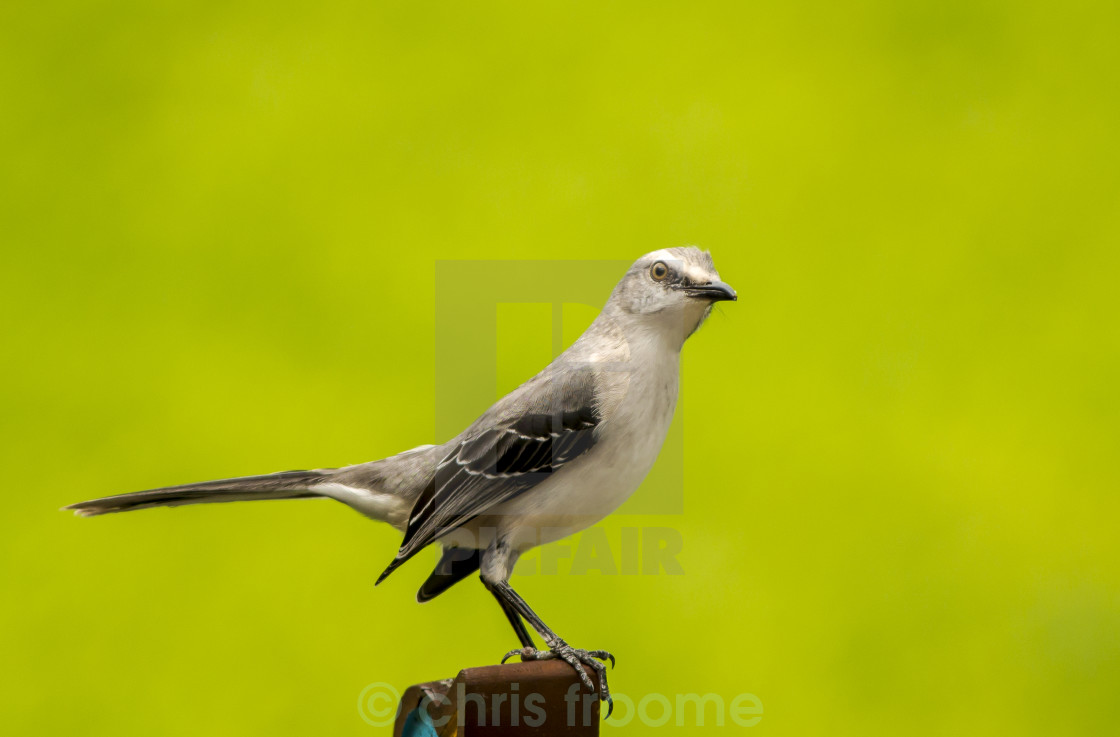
column 554, row 456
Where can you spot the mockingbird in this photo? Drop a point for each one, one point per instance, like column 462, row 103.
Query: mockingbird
column 552, row 457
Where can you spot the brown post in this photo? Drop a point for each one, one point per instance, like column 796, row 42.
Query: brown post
column 542, row 698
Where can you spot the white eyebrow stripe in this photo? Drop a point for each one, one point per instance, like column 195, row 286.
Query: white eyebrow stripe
column 697, row 274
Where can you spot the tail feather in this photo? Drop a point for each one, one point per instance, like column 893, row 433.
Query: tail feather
column 283, row 485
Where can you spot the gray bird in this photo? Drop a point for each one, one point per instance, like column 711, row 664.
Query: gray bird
column 552, row 457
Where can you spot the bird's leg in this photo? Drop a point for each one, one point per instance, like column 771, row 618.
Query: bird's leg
column 515, row 620
column 496, row 566
column 557, row 648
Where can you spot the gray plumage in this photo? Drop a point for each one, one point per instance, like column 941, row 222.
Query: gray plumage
column 553, row 456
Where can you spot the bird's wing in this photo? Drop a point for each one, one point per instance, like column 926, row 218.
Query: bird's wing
column 517, row 444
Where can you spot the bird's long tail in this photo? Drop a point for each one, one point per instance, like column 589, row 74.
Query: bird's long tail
column 284, row 485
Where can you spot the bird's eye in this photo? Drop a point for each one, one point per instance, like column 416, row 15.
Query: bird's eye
column 659, row 271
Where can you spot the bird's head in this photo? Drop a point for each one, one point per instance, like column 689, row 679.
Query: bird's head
column 671, row 290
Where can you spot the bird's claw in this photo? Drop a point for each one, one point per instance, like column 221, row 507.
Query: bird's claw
column 526, row 653
column 602, row 655
column 576, row 658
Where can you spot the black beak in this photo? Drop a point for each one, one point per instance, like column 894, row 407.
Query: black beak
column 715, row 291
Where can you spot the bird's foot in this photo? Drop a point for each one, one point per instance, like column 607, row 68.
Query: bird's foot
column 576, row 658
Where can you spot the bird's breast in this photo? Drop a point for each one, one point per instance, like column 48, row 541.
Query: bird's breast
column 596, row 483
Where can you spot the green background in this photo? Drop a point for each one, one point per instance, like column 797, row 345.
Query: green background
column 220, row 227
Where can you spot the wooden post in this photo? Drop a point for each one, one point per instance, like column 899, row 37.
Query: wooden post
column 543, row 698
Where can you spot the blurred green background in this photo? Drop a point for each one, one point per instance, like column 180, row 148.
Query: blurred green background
column 220, row 223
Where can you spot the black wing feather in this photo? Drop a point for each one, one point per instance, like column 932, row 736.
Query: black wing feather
column 492, row 467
